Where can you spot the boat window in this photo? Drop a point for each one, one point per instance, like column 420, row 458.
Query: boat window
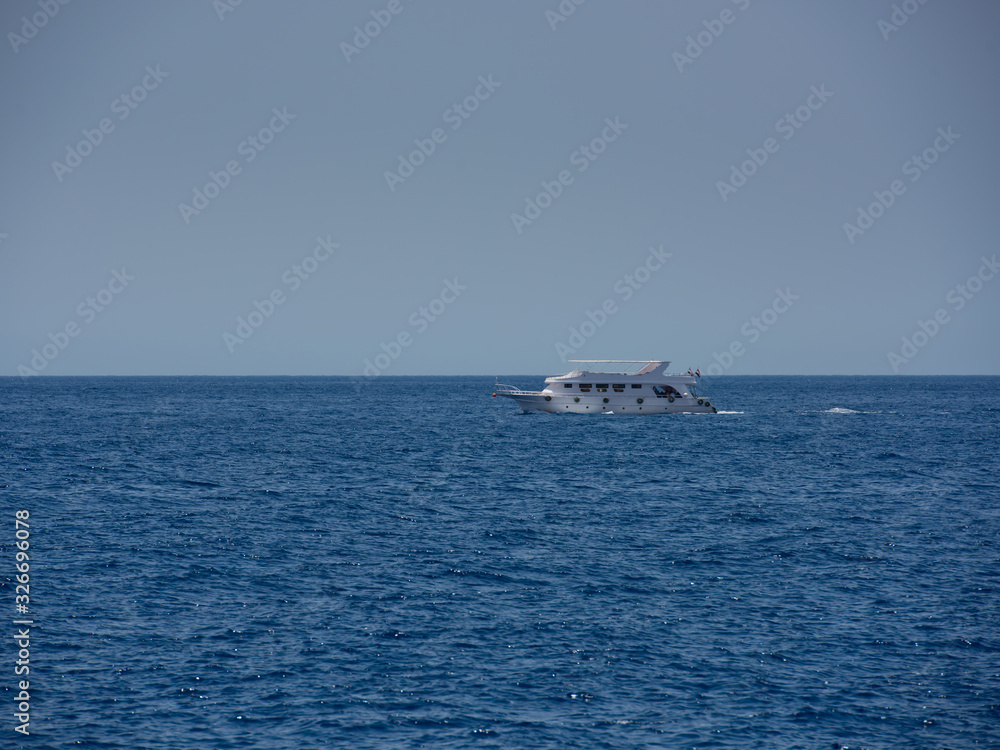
column 637, row 385
column 602, row 385
column 694, row 393
column 662, row 391
column 567, row 385
column 588, row 386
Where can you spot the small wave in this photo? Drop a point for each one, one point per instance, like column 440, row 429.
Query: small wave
column 197, row 483
column 840, row 410
column 731, row 412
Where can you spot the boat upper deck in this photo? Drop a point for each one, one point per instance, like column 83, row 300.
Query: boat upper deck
column 623, row 366
column 646, row 370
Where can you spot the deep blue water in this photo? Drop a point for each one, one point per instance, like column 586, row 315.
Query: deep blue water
column 410, row 563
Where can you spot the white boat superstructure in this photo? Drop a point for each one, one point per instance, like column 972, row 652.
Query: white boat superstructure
column 614, row 386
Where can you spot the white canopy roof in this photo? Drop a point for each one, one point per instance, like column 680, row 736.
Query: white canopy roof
column 628, row 366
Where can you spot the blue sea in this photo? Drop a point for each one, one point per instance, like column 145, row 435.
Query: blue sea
column 289, row 563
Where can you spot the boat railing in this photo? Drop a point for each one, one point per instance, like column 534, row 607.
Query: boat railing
column 512, row 390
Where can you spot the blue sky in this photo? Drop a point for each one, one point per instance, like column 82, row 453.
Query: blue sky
column 493, row 188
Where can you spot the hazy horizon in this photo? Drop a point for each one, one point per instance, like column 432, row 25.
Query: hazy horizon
column 412, row 188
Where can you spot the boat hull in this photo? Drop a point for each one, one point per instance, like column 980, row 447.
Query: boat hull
column 608, row 404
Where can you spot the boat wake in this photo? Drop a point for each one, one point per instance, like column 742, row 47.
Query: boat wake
column 836, row 410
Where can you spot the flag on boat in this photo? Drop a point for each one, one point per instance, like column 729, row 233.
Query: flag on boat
column 690, row 373
column 698, row 371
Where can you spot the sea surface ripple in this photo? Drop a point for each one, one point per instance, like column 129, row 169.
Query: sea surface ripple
column 409, row 563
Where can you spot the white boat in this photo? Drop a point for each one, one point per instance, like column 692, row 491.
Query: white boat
column 614, row 386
